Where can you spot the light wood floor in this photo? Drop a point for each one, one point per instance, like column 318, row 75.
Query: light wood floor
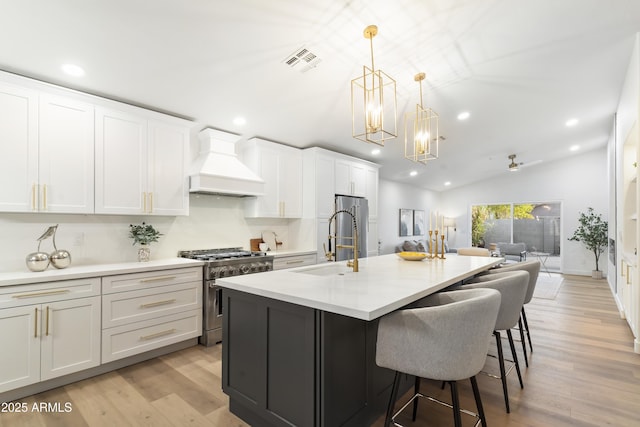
column 583, row 372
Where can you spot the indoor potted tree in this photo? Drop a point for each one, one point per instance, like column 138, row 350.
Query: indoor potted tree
column 592, row 232
column 143, row 234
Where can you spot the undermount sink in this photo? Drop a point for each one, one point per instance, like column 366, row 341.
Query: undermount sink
column 327, row 270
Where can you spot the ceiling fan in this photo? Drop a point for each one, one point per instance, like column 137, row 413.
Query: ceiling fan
column 514, row 166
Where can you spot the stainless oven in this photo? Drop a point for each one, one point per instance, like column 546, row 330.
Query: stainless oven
column 221, row 263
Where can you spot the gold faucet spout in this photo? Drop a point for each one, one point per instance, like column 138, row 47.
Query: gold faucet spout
column 351, row 263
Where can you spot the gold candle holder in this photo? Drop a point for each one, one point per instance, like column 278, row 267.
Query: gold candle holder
column 436, row 243
column 430, row 244
column 442, row 253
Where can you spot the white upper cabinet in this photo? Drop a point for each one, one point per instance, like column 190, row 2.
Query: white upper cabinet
column 19, row 138
column 280, row 167
column 47, row 160
column 350, row 178
column 121, row 162
column 140, row 165
column 66, row 163
column 371, row 192
column 168, row 183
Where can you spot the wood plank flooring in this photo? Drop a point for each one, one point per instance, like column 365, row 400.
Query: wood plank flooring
column 583, row 372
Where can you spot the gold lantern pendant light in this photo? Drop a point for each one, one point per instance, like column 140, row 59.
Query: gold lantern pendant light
column 373, row 102
column 421, row 131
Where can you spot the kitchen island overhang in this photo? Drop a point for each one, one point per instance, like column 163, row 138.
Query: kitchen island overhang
column 299, row 344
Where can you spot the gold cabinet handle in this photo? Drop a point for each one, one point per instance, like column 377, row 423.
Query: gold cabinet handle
column 156, row 335
column 157, row 279
column 295, row 262
column 144, row 201
column 157, row 303
column 628, row 282
column 150, row 202
column 47, row 322
column 35, row 329
column 39, row 294
column 44, row 197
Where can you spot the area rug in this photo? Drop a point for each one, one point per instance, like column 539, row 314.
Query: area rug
column 548, row 287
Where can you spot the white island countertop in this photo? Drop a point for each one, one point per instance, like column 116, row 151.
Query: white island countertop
column 84, row 271
column 383, row 284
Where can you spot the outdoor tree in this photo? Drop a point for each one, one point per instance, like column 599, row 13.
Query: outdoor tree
column 592, row 232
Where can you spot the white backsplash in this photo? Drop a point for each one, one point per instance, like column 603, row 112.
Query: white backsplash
column 213, row 222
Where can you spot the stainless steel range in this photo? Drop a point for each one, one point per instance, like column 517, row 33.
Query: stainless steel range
column 220, row 263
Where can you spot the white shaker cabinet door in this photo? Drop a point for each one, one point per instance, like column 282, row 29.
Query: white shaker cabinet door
column 121, row 162
column 19, row 139
column 20, row 355
column 168, row 183
column 71, row 336
column 66, row 163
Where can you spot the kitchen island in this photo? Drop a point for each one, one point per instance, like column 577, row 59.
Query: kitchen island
column 299, row 344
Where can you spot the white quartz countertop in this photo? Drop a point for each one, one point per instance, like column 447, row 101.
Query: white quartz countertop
column 82, row 271
column 383, row 284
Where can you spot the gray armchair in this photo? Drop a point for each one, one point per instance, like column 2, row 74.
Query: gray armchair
column 512, row 286
column 445, row 339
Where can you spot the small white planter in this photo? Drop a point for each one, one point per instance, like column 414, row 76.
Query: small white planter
column 596, row 274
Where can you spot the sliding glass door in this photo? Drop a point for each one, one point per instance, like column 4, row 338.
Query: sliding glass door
column 537, row 225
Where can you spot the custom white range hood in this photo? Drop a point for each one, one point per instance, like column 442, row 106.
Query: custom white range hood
column 218, row 170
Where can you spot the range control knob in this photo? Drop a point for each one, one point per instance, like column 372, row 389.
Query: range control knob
column 245, row 268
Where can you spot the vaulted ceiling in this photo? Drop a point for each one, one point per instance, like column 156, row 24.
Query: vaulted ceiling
column 520, row 68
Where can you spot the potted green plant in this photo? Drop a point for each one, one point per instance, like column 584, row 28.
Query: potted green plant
column 593, row 233
column 143, row 234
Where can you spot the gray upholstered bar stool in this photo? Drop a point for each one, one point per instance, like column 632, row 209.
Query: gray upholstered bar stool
column 512, row 285
column 445, row 339
column 533, row 268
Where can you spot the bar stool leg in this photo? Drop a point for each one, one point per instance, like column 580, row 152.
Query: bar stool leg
column 524, row 344
column 416, row 390
column 455, row 402
column 526, row 326
column 392, row 399
column 503, row 375
column 515, row 357
column 476, row 395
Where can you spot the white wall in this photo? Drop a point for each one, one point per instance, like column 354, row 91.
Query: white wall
column 213, row 222
column 394, row 196
column 578, row 182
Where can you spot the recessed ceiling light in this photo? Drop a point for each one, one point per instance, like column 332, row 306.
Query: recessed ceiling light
column 571, row 122
column 464, row 115
column 73, row 70
column 413, row 173
column 239, row 121
column 375, row 152
column 448, row 183
column 574, row 148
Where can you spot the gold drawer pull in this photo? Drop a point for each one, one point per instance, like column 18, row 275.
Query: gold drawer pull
column 47, row 322
column 39, row 294
column 158, row 334
column 295, row 262
column 157, row 279
column 157, row 303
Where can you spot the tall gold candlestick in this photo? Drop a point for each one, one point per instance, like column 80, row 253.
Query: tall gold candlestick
column 436, row 243
column 430, row 244
column 442, row 253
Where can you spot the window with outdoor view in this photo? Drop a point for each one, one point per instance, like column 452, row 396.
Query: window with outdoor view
column 534, row 226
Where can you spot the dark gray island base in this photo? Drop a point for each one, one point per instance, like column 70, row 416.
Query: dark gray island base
column 288, row 365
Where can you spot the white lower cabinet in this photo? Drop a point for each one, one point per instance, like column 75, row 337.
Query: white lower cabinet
column 145, row 311
column 48, row 330
column 281, row 262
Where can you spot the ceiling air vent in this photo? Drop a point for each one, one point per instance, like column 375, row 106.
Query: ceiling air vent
column 302, row 60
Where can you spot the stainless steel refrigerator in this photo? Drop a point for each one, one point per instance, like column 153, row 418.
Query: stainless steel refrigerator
column 359, row 207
